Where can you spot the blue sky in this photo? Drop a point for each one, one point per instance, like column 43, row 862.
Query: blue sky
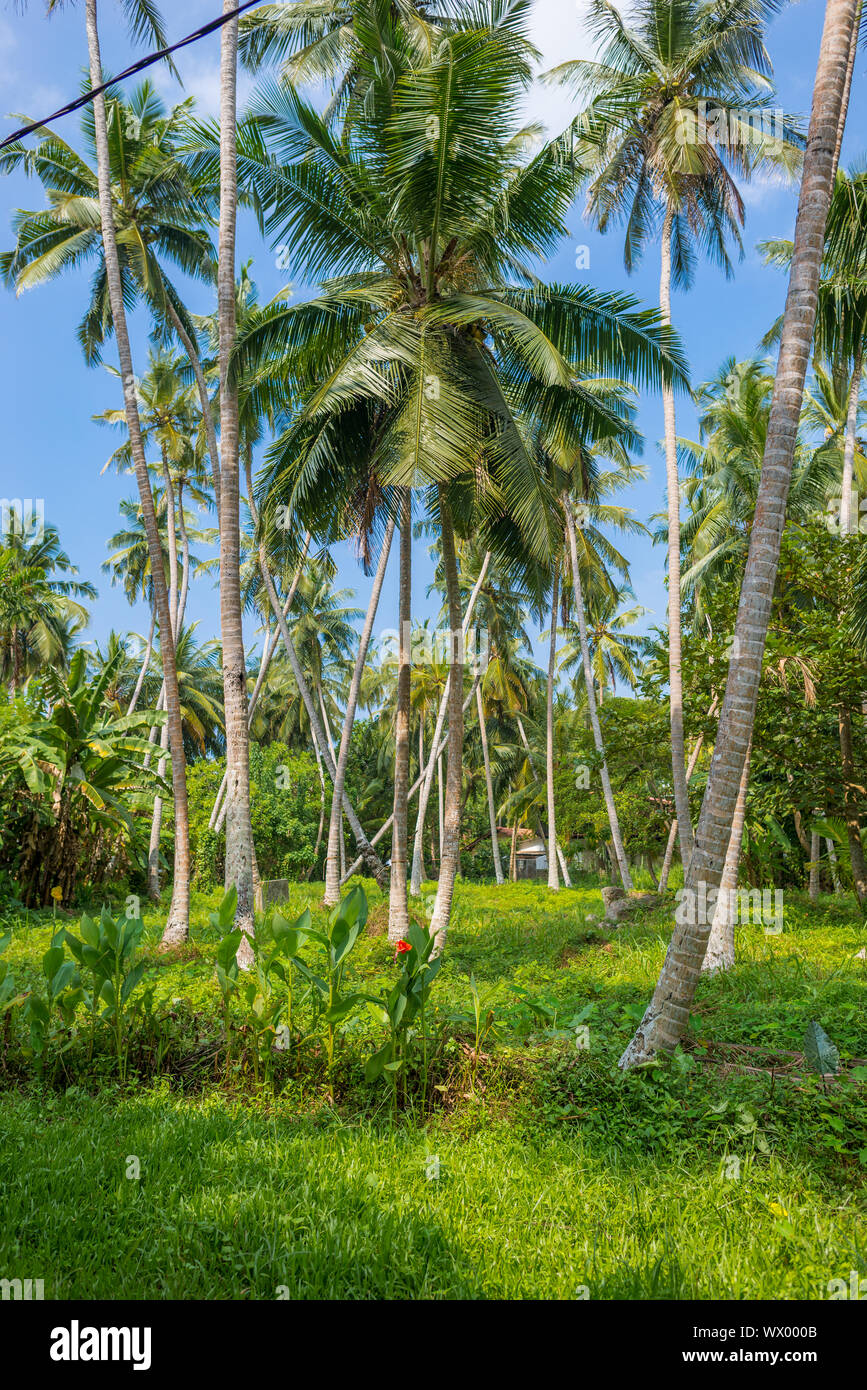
column 53, row 450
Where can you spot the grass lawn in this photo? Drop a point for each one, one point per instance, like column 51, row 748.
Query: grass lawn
column 538, row 1172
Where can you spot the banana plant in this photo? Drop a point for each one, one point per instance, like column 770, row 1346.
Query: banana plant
column 345, row 924
column 106, row 951
column 401, row 1006
column 61, row 990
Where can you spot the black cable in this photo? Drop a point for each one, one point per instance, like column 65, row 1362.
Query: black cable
column 130, row 72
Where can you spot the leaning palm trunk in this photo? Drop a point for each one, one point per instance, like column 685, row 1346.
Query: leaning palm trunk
column 427, row 780
column 177, row 926
column 239, row 832
column 416, row 786
column 675, row 671
column 553, row 879
column 608, row 794
column 667, row 1015
column 851, row 440
column 398, row 911
column 335, row 825
column 372, row 862
column 720, row 953
column 489, row 787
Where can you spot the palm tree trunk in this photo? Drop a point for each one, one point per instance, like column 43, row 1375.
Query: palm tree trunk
column 489, row 785
column 239, row 833
column 321, row 809
column 427, row 781
column 832, row 859
column 421, row 765
column 204, row 399
column 668, row 1012
column 218, row 813
column 672, row 833
column 846, row 528
column 450, row 861
column 513, row 855
column 335, row 825
column 440, row 795
column 417, row 784
column 374, row 865
column 146, row 661
column 553, row 878
column 608, row 794
column 720, row 953
column 815, row 853
column 850, row 806
column 177, row 926
column 177, row 603
column 675, row 673
column 398, row 911
column 847, row 89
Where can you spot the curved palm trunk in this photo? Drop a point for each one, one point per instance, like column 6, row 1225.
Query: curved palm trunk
column 608, row 794
column 489, row 785
column 553, row 878
column 667, row 1015
column 398, row 911
column 178, row 924
column 450, row 861
column 239, row 833
column 675, row 671
column 720, row 953
column 427, row 780
column 846, row 526
column 335, row 824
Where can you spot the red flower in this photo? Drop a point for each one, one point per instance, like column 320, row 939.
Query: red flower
column 403, row 947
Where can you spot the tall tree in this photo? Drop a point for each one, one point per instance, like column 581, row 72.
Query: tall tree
column 661, row 166
column 239, row 831
column 667, row 1015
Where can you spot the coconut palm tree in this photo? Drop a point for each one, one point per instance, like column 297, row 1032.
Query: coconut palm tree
column 841, row 319
column 666, row 167
column 145, row 24
column 418, row 317
column 39, row 607
column 665, row 1019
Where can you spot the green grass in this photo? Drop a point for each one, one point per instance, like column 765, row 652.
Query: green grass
column 555, row 1171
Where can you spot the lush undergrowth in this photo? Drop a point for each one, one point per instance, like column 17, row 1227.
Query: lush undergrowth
column 533, row 1168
